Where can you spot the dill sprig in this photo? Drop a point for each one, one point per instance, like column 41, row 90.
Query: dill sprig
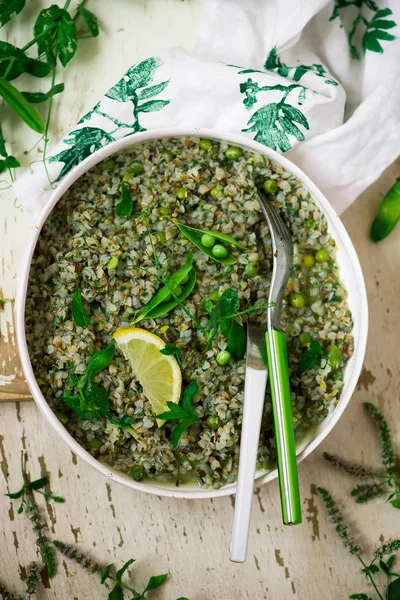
column 337, row 519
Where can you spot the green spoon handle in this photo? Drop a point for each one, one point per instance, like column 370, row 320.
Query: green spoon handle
column 283, row 425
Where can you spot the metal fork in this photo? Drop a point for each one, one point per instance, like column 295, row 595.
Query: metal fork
column 278, row 364
column 253, row 402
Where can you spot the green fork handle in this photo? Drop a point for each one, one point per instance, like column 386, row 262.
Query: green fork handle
column 283, row 425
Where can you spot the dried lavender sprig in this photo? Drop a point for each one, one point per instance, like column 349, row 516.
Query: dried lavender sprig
column 367, row 492
column 350, row 468
column 337, row 519
column 388, row 548
column 76, row 555
column 45, row 549
column 387, row 452
column 32, row 579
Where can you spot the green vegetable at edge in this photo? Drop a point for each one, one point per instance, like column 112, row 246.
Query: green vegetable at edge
column 195, row 235
column 388, row 214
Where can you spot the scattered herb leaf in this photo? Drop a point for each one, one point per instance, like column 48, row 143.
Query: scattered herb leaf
column 124, row 207
column 172, row 349
column 310, row 358
column 182, row 413
column 79, row 314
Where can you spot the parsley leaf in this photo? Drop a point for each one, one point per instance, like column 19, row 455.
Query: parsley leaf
column 172, row 349
column 184, row 413
column 124, row 207
column 79, row 315
column 310, row 358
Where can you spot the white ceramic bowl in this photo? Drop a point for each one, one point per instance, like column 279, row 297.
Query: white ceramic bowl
column 350, row 273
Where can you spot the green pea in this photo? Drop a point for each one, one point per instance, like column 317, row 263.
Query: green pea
column 137, row 473
column 322, row 255
column 62, row 417
column 163, row 210
column 308, row 260
column 207, row 240
column 214, row 295
column 223, row 357
column 160, row 235
column 297, row 300
column 233, row 152
column 304, row 340
column 95, row 444
column 219, row 251
column 205, row 144
column 181, row 193
column 178, row 291
column 215, row 193
column 136, row 168
column 113, row 263
column 185, row 279
column 213, row 421
column 109, row 165
column 333, row 356
column 270, row 186
column 251, row 269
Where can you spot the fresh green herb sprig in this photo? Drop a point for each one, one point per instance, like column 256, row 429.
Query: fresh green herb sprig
column 55, row 36
column 172, row 350
column 381, row 482
column 183, row 413
column 376, row 565
column 310, row 358
column 79, row 314
column 48, row 555
column 91, row 401
column 124, row 207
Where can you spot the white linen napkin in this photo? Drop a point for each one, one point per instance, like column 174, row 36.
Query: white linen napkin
column 315, row 79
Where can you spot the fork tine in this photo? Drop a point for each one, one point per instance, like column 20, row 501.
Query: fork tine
column 275, row 217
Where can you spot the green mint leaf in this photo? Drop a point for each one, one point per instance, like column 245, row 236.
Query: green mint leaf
column 180, row 428
column 58, row 499
column 37, row 97
column 105, row 574
column 100, row 361
column 81, row 409
column 172, row 349
column 190, row 391
column 38, row 483
column 122, row 570
column 79, row 314
column 97, row 399
column 8, row 7
column 116, row 593
column 18, row 494
column 155, row 582
column 310, row 358
column 90, row 20
column 174, row 412
column 393, row 591
column 66, row 41
column 20, row 106
column 124, row 207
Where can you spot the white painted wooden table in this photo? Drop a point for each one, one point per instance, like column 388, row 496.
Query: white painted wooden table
column 190, row 539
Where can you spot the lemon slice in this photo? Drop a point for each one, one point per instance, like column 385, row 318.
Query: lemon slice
column 158, row 374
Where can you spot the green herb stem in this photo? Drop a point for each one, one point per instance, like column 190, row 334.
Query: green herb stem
column 370, row 577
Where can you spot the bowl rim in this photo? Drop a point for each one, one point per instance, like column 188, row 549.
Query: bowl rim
column 22, row 284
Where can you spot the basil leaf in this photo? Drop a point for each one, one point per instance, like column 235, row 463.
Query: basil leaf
column 67, row 40
column 20, row 106
column 116, row 593
column 100, row 360
column 79, row 314
column 157, row 305
column 90, row 20
column 19, row 63
column 38, row 483
column 106, row 572
column 172, row 350
column 36, row 97
column 122, row 570
column 8, row 7
column 155, row 582
column 124, row 207
column 194, row 235
column 310, row 358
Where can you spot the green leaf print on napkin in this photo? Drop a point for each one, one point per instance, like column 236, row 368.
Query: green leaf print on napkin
column 84, row 142
column 274, row 63
column 375, row 25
